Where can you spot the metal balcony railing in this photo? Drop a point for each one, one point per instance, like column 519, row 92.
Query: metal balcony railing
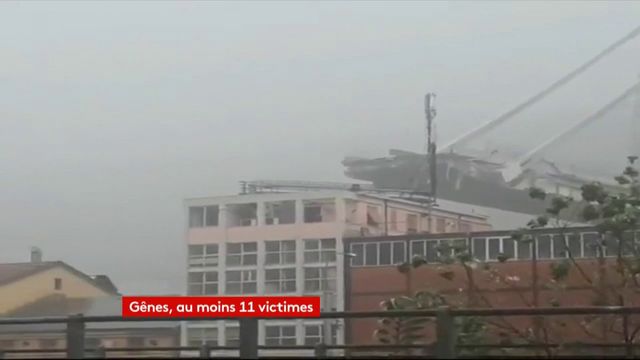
column 444, row 347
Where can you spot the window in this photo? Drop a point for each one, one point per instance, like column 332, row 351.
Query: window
column 441, row 225
column 384, row 253
column 135, row 342
column 232, row 336
column 524, row 250
column 612, row 245
column 591, row 244
column 203, row 283
column 432, row 250
column 316, row 211
column 200, row 216
column 57, row 284
column 460, row 246
column 280, row 280
column 412, row 223
column 399, row 252
column 312, row 214
column 393, row 221
column 358, row 250
column 313, row 334
column 489, row 249
column 48, row 343
column 425, row 248
column 211, row 215
column 280, row 335
column 241, row 282
column 379, row 253
column 196, row 216
column 153, row 342
column 203, row 255
column 319, row 250
column 465, row 227
column 544, row 247
column 283, row 212
column 242, row 214
column 242, row 254
column 480, row 248
column 280, row 252
column 418, row 248
column 508, row 247
column 202, row 336
column 6, row 344
column 575, row 246
column 319, row 279
column 628, row 246
column 559, row 246
column 494, row 248
column 444, row 248
column 371, row 254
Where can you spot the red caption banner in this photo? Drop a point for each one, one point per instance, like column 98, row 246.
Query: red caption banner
column 223, row 306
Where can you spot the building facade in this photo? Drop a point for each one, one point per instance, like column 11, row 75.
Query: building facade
column 39, row 288
column 291, row 244
column 26, row 282
column 373, row 275
column 49, row 340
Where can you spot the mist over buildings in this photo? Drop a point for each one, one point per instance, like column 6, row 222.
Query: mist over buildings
column 112, row 113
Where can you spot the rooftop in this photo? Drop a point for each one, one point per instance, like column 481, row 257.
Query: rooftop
column 11, row 272
column 279, row 190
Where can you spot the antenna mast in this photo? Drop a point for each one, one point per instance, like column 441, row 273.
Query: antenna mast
column 635, row 123
column 430, row 112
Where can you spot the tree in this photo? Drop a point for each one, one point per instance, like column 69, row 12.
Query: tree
column 612, row 276
column 405, row 330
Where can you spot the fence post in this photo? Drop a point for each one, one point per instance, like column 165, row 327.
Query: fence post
column 205, row 351
column 248, row 338
column 446, row 334
column 75, row 337
column 627, row 337
column 321, row 351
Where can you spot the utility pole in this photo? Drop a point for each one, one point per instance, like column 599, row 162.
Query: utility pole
column 430, row 112
column 327, row 324
column 635, row 123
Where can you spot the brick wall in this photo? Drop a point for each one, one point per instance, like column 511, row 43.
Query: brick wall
column 368, row 286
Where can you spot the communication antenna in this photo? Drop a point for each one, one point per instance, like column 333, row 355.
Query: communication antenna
column 430, row 112
column 635, row 123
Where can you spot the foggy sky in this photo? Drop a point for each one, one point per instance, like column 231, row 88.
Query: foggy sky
column 112, row 113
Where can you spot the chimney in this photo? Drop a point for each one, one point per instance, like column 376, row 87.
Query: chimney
column 36, row 255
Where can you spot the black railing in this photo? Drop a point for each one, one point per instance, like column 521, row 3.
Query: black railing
column 444, row 347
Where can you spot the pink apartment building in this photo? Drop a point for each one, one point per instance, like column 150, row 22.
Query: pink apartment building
column 291, row 244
